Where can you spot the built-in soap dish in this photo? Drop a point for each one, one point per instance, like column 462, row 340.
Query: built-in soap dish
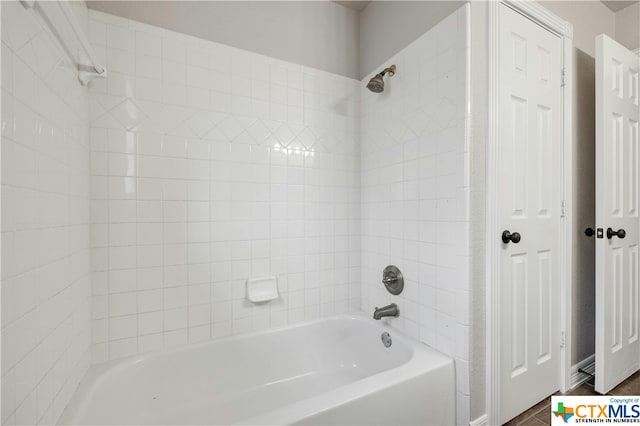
column 262, row 289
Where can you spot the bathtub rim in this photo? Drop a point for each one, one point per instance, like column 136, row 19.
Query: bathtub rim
column 117, row 364
column 422, row 359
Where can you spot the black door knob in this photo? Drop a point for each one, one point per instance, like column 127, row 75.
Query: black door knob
column 589, row 232
column 508, row 236
column 620, row 233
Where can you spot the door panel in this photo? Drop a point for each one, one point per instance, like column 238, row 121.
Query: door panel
column 529, row 158
column 617, row 117
column 545, row 333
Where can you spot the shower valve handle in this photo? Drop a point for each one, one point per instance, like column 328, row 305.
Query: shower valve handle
column 508, row 236
column 620, row 233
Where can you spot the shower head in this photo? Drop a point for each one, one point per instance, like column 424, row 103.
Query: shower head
column 376, row 84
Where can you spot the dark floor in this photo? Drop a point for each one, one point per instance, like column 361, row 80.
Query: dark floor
column 540, row 414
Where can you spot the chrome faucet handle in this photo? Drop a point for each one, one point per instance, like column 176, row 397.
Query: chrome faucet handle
column 393, row 280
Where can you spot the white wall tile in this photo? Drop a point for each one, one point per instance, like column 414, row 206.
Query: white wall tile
column 122, row 304
column 122, row 327
column 191, row 202
column 414, row 198
column 97, row 32
column 46, row 209
column 120, row 60
column 122, row 348
column 149, row 44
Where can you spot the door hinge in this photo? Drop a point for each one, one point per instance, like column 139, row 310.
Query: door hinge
column 562, row 339
column 562, row 209
column 563, row 77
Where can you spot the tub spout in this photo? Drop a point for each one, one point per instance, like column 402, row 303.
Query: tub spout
column 386, row 311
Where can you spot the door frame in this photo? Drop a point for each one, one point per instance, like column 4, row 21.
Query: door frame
column 563, row 29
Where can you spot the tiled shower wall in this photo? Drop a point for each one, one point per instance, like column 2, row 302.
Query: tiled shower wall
column 46, row 290
column 415, row 193
column 211, row 165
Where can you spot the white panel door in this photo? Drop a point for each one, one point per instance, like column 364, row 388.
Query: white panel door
column 617, row 117
column 530, row 173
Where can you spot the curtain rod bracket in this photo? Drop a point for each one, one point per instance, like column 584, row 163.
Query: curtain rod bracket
column 86, row 74
column 70, row 35
column 28, row 4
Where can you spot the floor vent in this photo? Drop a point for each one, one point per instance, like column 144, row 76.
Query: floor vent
column 589, row 371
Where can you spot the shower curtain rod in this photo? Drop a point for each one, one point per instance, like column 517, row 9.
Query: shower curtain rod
column 52, row 17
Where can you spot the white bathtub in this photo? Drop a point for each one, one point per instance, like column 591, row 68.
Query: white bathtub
column 331, row 371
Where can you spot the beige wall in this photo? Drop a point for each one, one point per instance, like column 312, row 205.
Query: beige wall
column 589, row 18
column 327, row 36
column 628, row 26
column 584, row 207
column 388, row 26
column 318, row 34
column 477, row 200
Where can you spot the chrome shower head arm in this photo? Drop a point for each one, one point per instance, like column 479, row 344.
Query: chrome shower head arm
column 391, row 71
